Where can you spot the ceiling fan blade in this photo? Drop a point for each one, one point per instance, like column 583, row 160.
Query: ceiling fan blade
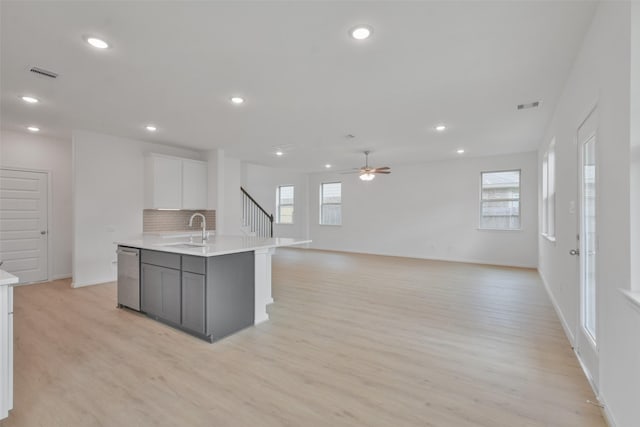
column 383, row 168
column 385, row 172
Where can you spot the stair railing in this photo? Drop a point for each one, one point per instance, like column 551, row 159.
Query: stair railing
column 254, row 217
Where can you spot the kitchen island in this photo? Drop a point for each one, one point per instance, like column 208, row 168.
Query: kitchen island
column 209, row 289
column 6, row 342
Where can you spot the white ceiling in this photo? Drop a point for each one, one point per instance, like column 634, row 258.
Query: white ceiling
column 306, row 82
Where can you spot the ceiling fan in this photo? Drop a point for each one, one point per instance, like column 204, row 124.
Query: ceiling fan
column 367, row 173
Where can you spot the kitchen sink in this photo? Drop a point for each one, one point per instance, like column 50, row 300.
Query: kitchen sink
column 185, row 245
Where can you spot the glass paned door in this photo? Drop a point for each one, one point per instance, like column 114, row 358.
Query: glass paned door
column 588, row 248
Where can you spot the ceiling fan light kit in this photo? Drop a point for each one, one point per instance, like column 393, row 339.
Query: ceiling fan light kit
column 368, row 173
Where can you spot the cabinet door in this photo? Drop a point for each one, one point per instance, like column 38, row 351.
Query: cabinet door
column 166, row 182
column 194, row 184
column 161, row 292
column 193, row 302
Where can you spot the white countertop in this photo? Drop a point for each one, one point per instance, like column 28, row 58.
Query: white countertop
column 7, row 278
column 216, row 245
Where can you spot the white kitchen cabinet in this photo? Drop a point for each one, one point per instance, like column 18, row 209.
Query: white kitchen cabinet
column 175, row 183
column 194, row 184
column 6, row 342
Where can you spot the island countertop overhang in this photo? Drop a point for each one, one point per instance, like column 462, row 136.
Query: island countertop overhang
column 215, row 246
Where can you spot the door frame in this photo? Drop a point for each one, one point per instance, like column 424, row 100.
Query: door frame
column 49, row 214
column 593, row 346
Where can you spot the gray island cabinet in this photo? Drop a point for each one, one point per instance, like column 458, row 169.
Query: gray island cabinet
column 210, row 297
column 209, row 290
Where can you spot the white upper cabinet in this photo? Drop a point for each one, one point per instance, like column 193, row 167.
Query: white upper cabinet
column 175, row 183
column 194, row 184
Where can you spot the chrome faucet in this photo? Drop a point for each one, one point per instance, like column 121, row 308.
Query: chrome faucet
column 204, row 224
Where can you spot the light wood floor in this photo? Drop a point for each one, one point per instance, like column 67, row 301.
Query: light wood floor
column 353, row 340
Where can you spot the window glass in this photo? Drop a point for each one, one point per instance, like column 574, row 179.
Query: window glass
column 548, row 210
column 331, row 203
column 500, row 200
column 284, row 204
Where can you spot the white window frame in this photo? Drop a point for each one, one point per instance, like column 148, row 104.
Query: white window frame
column 549, row 192
column 279, row 205
column 519, row 200
column 322, row 204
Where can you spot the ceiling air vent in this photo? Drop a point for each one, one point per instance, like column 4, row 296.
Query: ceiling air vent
column 44, row 72
column 529, row 105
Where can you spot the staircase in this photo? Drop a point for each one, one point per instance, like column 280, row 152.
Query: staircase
column 255, row 220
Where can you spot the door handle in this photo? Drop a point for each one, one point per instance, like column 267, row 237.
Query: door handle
column 43, row 232
column 574, row 252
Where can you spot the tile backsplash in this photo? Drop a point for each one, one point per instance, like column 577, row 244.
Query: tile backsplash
column 155, row 220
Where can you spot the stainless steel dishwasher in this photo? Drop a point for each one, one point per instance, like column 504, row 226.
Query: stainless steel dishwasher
column 129, row 277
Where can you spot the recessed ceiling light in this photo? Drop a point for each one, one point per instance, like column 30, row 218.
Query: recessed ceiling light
column 327, row 166
column 30, row 99
column 441, row 128
column 237, row 100
column 460, row 151
column 33, row 128
column 361, row 32
column 279, row 153
column 97, row 43
column 151, row 128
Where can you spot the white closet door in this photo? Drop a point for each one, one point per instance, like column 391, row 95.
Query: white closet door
column 23, row 224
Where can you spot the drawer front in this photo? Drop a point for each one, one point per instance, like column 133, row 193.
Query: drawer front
column 193, row 264
column 162, row 259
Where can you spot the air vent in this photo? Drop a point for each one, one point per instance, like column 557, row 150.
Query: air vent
column 529, row 105
column 44, row 72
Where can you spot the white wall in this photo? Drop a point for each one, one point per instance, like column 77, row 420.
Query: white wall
column 108, row 190
column 213, row 180
column 601, row 74
column 30, row 151
column 429, row 211
column 231, row 211
column 635, row 145
column 262, row 181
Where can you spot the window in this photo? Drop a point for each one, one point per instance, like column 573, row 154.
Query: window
column 284, row 204
column 500, row 200
column 549, row 192
column 331, row 203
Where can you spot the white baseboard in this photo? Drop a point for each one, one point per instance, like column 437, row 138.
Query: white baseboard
column 99, row 282
column 608, row 416
column 563, row 321
column 61, row 276
column 461, row 260
column 606, row 413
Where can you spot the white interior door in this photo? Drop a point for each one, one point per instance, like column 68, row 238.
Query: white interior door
column 587, row 334
column 23, row 224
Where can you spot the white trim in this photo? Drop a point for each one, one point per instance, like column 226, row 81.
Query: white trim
column 61, row 276
column 499, row 229
column 460, row 260
column 552, row 239
column 563, row 321
column 632, row 297
column 588, row 375
column 607, row 414
column 95, row 282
